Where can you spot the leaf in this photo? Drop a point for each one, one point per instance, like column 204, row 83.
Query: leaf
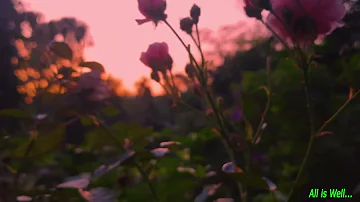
column 206, row 192
column 351, row 93
column 110, row 111
column 101, row 195
column 23, row 198
column 280, row 196
column 42, row 145
column 224, row 200
column 77, row 182
column 169, row 144
column 40, row 116
column 61, row 49
column 272, row 186
column 250, row 180
column 14, row 113
column 160, row 152
column 103, row 169
column 172, row 145
column 230, row 168
column 93, row 66
column 324, row 133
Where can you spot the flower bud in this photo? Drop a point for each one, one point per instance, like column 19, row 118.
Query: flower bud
column 195, row 13
column 155, row 76
column 190, row 70
column 152, row 10
column 157, row 57
column 186, row 25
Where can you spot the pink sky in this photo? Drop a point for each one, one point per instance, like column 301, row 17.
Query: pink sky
column 133, row 38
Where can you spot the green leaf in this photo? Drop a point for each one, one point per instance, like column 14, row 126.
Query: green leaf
column 250, row 180
column 110, row 111
column 93, row 66
column 101, row 194
column 44, row 144
column 15, row 113
column 105, row 168
column 61, row 49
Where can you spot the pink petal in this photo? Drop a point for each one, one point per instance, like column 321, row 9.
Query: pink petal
column 157, row 3
column 153, row 50
column 323, row 27
column 144, row 5
column 277, row 26
column 329, row 10
column 163, row 50
column 158, row 50
column 144, row 59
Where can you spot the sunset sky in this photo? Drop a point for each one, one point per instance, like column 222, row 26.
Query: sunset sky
column 118, row 38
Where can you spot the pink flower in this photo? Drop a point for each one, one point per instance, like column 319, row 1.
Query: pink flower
column 152, row 10
column 305, row 20
column 98, row 89
column 157, row 57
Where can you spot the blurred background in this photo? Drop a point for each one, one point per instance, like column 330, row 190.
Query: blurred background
column 111, row 26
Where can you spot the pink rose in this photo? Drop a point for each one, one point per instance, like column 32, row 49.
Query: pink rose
column 305, row 19
column 152, row 10
column 157, row 57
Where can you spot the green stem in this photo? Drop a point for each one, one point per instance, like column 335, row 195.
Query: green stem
column 182, row 42
column 218, row 115
column 137, row 166
column 267, row 107
column 308, row 101
column 199, row 45
column 176, row 91
column 304, row 68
